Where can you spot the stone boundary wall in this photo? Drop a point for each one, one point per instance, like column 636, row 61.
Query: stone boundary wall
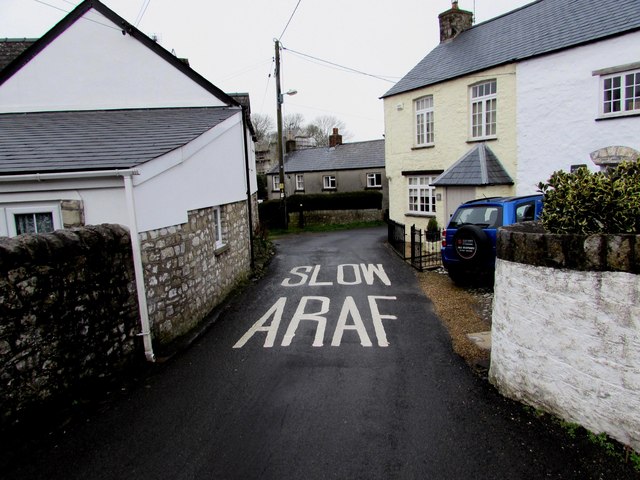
column 566, row 327
column 186, row 276
column 68, row 316
column 328, row 217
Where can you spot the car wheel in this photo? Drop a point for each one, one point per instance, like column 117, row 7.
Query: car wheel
column 471, row 244
column 459, row 277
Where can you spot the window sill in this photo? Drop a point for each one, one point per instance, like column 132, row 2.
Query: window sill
column 377, row 187
column 600, row 118
column 221, row 249
column 329, row 189
column 420, row 215
column 482, row 139
column 299, row 191
column 423, row 147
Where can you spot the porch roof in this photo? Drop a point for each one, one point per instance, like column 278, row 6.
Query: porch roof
column 478, row 167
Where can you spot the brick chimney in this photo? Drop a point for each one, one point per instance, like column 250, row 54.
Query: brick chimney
column 453, row 22
column 335, row 138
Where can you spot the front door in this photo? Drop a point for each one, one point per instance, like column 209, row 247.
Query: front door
column 454, row 196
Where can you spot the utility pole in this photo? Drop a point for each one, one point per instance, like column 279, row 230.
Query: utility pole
column 279, row 100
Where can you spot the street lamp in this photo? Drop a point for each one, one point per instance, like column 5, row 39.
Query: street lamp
column 279, row 101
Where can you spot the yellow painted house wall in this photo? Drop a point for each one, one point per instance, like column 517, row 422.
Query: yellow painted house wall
column 452, row 138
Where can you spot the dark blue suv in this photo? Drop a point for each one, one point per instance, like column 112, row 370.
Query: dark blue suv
column 469, row 241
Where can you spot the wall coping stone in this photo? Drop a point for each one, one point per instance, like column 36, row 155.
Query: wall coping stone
column 530, row 244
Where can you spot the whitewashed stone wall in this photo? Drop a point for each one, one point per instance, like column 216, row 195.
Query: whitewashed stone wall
column 568, row 342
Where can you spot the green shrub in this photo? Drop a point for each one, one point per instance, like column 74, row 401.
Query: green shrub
column 432, row 225
column 589, row 203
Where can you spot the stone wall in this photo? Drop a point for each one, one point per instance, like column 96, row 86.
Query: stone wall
column 566, row 327
column 186, row 275
column 68, row 315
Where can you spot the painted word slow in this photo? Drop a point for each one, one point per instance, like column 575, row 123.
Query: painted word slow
column 348, row 274
column 318, row 316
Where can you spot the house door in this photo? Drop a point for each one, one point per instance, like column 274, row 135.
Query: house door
column 454, row 196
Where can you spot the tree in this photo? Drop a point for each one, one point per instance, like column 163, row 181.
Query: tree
column 292, row 124
column 263, row 126
column 321, row 127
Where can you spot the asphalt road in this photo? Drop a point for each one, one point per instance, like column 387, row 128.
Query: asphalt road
column 332, row 366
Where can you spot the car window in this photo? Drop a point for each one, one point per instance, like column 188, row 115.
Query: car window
column 483, row 216
column 525, row 212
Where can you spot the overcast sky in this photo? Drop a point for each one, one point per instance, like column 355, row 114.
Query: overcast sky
column 231, row 43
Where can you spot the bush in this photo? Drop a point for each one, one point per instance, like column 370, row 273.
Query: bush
column 591, row 203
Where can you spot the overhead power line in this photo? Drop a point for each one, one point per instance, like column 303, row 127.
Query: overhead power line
column 348, row 69
column 290, row 18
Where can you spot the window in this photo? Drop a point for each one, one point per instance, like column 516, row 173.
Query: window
column 329, row 182
column 424, row 121
column 422, row 198
column 33, row 219
column 217, row 227
column 299, row 182
column 483, row 109
column 621, row 93
column 374, row 180
column 34, row 222
column 275, row 184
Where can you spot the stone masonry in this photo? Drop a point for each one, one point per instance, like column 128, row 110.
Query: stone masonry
column 186, row 276
column 68, row 317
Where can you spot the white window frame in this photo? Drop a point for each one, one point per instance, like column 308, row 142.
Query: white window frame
column 372, row 180
column 421, row 195
column 299, row 182
column 424, row 121
column 329, row 182
column 483, row 110
column 625, row 93
column 11, row 212
column 275, row 183
column 217, row 227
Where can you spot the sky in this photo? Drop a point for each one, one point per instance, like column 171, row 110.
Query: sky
column 231, row 43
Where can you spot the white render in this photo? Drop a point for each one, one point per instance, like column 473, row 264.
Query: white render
column 568, row 342
column 558, row 104
column 110, row 71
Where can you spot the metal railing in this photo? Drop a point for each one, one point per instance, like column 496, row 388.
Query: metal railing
column 421, row 249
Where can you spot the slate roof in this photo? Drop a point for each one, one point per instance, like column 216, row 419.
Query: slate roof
column 479, row 166
column 98, row 140
column 11, row 48
column 536, row 29
column 348, row 156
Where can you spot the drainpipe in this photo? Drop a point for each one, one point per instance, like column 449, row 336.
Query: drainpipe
column 139, row 272
column 135, row 241
column 248, row 177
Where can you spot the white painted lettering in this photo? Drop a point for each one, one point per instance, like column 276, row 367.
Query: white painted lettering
column 314, row 278
column 377, row 319
column 276, row 310
column 369, row 270
column 357, row 280
column 298, row 271
column 315, row 316
column 349, row 308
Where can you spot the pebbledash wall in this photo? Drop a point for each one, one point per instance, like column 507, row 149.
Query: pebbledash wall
column 566, row 327
column 68, row 316
column 187, row 275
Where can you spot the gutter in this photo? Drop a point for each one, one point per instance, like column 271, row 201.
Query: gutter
column 133, row 233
